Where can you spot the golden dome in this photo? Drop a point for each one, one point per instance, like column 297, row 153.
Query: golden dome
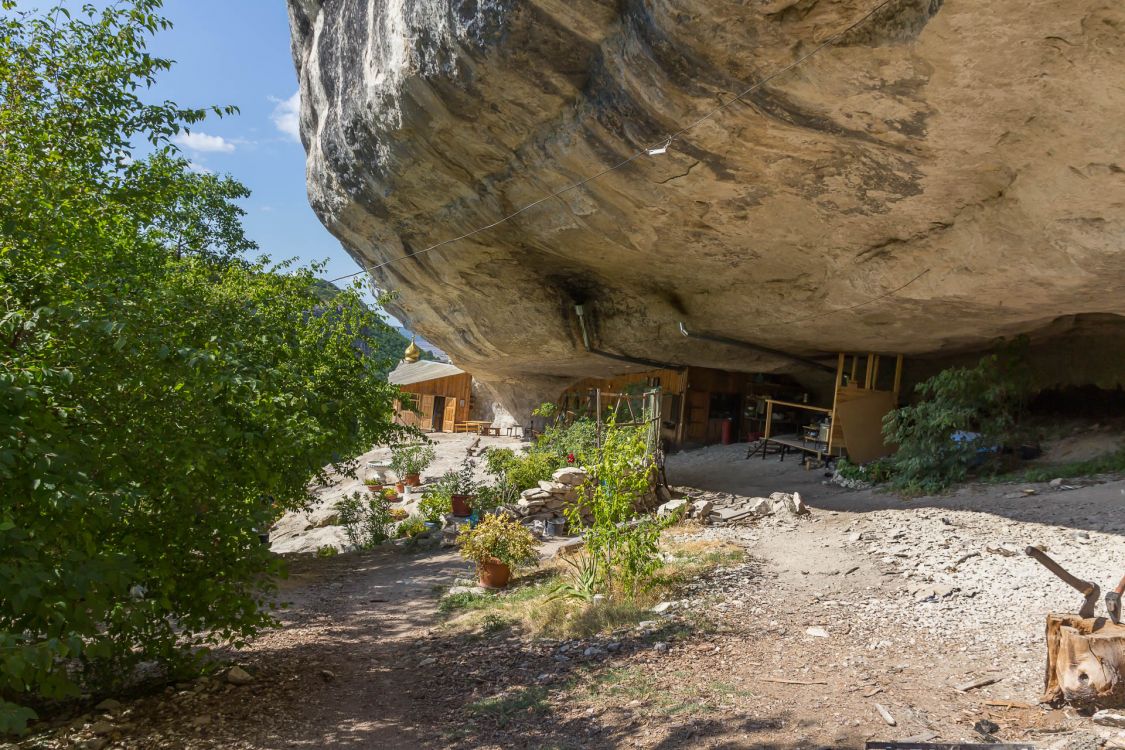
column 412, row 353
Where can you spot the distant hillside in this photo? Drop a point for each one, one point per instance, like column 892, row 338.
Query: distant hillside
column 390, row 343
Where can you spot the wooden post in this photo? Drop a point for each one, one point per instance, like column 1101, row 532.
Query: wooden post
column 875, row 375
column 870, row 365
column 598, row 417
column 835, row 396
column 898, row 376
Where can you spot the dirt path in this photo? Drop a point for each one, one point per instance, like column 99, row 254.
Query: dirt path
column 868, row 600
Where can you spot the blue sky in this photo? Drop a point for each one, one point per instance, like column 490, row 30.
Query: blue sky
column 237, row 52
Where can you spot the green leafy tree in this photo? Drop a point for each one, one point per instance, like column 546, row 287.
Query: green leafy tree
column 965, row 417
column 161, row 397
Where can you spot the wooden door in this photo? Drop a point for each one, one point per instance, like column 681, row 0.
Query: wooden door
column 449, row 416
column 698, row 408
column 426, row 406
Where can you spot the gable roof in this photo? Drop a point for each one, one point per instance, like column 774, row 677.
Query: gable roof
column 416, row 372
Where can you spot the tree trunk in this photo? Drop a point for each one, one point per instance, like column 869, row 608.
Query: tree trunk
column 1085, row 661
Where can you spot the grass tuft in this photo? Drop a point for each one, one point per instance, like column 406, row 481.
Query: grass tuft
column 530, row 606
column 1111, row 463
column 502, row 708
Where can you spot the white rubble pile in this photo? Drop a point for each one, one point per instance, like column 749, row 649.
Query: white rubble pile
column 722, row 508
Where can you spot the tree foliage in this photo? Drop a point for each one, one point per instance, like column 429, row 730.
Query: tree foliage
column 964, row 420
column 162, row 398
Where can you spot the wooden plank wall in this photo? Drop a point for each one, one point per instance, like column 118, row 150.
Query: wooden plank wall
column 459, row 387
column 670, row 381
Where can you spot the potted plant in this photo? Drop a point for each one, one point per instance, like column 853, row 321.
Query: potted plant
column 390, row 495
column 433, row 506
column 498, row 544
column 409, row 461
column 462, row 488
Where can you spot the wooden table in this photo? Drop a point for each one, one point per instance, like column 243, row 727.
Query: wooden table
column 479, row 426
column 787, row 443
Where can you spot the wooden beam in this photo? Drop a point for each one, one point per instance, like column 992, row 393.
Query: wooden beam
column 835, row 397
column 875, row 375
column 867, row 375
column 898, row 377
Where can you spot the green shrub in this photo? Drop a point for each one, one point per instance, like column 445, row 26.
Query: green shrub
column 502, row 538
column 327, row 550
column 434, row 505
column 161, row 395
column 411, row 458
column 625, row 546
column 986, row 399
column 521, row 471
column 411, row 527
column 366, row 520
column 874, row 472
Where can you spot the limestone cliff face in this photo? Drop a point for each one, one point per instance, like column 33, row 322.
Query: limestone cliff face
column 971, row 151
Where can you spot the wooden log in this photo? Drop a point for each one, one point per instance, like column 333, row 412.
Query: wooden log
column 1085, row 661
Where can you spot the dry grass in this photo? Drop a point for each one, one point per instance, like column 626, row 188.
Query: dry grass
column 532, row 604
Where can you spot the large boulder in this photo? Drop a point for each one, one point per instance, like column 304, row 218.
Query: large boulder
column 944, row 174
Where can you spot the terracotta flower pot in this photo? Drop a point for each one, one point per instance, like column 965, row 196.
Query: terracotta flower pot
column 462, row 505
column 374, row 489
column 494, row 574
column 413, row 480
column 400, row 487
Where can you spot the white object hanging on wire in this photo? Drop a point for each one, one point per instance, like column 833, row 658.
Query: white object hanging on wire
column 660, row 149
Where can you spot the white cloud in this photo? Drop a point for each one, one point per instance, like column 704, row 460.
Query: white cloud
column 203, row 143
column 199, row 168
column 287, row 116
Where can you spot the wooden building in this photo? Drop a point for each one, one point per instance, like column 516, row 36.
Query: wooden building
column 438, row 395
column 696, row 402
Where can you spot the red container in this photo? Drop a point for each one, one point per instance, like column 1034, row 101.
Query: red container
column 728, row 431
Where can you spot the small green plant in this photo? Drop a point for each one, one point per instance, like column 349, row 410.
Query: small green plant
column 398, row 514
column 874, row 472
column 546, row 410
column 411, row 527
column 520, row 471
column 389, row 494
column 327, row 550
column 462, row 481
column 433, row 506
column 366, row 520
column 626, row 547
column 490, row 497
column 500, row 538
column 582, row 582
column 412, row 458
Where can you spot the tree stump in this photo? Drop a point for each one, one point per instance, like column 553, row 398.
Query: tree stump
column 1085, row 661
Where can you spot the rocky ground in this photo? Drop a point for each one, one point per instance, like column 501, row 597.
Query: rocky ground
column 317, row 526
column 867, row 605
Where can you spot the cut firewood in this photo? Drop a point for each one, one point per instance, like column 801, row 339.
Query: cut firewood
column 974, row 684
column 1085, row 658
column 885, row 714
column 1008, row 704
column 792, row 682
